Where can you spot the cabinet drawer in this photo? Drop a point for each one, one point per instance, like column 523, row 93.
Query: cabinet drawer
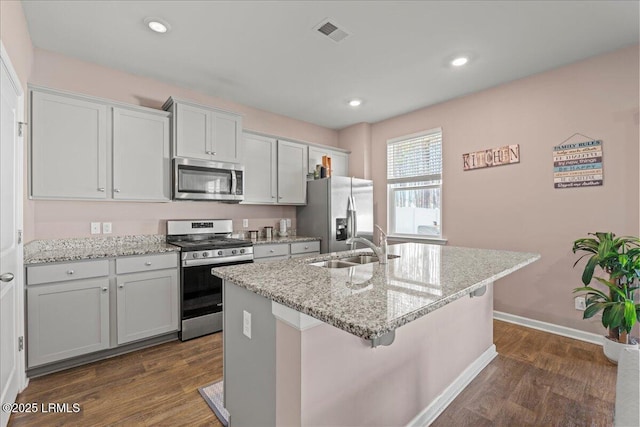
column 263, row 251
column 305, row 247
column 67, row 271
column 136, row 264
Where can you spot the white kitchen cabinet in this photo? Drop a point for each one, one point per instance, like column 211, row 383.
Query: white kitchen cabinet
column 339, row 160
column 80, row 307
column 141, row 157
column 292, row 172
column 275, row 170
column 148, row 304
column 260, row 169
column 68, row 147
column 87, row 148
column 67, row 319
column 205, row 133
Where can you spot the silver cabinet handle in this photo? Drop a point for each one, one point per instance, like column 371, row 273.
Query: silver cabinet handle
column 70, row 272
column 6, row 277
column 211, row 153
column 271, row 250
column 105, row 289
column 116, row 190
column 306, row 247
column 148, row 263
column 101, row 189
column 121, row 286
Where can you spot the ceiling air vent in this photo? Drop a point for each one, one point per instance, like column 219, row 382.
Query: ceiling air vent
column 330, row 29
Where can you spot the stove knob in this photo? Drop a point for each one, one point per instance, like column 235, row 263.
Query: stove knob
column 220, row 253
column 241, row 251
column 234, row 251
column 205, row 254
column 195, row 255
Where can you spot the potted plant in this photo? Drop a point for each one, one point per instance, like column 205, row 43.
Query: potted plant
column 619, row 257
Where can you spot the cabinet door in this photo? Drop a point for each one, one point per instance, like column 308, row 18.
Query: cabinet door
column 260, row 177
column 147, row 304
column 292, row 173
column 227, row 130
column 68, row 148
column 141, row 165
column 339, row 160
column 67, row 319
column 193, row 132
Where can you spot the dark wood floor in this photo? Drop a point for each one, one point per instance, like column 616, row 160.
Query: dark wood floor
column 538, row 379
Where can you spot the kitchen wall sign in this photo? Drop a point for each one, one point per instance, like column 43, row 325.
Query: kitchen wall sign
column 491, row 157
column 578, row 164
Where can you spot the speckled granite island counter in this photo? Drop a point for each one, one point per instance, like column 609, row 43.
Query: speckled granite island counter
column 298, row 337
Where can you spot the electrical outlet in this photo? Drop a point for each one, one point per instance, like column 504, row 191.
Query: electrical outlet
column 95, row 228
column 246, row 323
column 106, row 227
column 580, row 303
column 245, row 223
column 288, row 222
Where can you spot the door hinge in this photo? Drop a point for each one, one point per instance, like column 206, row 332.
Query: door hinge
column 20, row 343
column 19, row 236
column 20, row 126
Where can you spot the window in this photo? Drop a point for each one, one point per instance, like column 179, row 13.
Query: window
column 414, row 184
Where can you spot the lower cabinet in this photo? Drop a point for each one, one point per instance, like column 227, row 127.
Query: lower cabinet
column 67, row 319
column 147, row 304
column 82, row 307
column 279, row 251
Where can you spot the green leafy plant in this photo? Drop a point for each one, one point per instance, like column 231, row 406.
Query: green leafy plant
column 619, row 257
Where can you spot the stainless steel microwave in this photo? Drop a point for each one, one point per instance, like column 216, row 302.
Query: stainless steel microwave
column 205, row 180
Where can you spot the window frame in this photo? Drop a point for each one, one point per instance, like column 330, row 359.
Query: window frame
column 391, row 190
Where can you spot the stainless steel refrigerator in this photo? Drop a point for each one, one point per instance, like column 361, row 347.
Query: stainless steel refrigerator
column 336, row 207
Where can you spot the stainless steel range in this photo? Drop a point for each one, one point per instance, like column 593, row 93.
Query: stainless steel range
column 204, row 244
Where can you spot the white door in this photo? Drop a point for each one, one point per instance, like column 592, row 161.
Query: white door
column 11, row 278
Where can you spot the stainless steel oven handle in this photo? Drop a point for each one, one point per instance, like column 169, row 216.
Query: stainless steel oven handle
column 215, row 261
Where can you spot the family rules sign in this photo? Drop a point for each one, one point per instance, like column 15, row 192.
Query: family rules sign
column 577, row 164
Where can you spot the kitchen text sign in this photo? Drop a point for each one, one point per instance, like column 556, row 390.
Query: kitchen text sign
column 491, row 157
column 577, row 165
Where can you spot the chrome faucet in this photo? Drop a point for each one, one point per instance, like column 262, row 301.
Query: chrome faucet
column 381, row 251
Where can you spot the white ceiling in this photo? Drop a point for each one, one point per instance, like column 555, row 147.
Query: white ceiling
column 266, row 54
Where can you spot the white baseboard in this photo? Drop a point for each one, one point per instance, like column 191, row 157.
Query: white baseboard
column 549, row 327
column 440, row 403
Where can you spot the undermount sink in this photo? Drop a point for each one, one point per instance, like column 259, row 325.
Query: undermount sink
column 351, row 261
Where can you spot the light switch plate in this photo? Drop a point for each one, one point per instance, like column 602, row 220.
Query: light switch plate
column 95, row 228
column 106, row 227
column 245, row 223
column 246, row 323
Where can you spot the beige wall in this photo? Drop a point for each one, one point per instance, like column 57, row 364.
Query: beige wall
column 52, row 219
column 515, row 206
column 15, row 38
column 357, row 139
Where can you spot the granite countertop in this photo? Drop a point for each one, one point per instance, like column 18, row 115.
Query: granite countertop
column 279, row 239
column 74, row 249
column 371, row 300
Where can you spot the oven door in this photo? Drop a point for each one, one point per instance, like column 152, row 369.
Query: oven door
column 203, row 180
column 201, row 294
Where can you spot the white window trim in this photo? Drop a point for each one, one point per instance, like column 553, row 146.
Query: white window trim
column 423, row 238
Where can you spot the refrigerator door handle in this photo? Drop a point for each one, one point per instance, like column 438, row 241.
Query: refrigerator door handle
column 352, row 225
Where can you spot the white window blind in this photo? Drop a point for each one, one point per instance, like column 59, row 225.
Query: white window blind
column 415, row 159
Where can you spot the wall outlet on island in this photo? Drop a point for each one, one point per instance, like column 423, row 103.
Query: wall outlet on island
column 246, row 323
column 580, row 303
column 95, row 228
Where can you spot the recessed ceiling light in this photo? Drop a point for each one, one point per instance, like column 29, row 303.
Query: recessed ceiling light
column 459, row 61
column 157, row 25
column 355, row 102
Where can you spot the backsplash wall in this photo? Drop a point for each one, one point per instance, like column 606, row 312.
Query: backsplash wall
column 60, row 219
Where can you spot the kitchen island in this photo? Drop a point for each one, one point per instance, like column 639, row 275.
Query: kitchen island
column 367, row 344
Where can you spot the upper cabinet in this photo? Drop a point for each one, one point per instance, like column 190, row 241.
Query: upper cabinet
column 339, row 160
column 205, row 133
column 86, row 148
column 292, row 172
column 68, row 147
column 275, row 170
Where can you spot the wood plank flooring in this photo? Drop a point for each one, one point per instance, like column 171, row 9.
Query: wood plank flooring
column 537, row 379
